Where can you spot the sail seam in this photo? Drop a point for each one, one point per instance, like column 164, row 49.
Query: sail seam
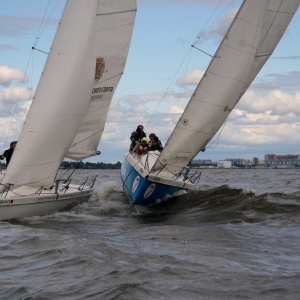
column 120, row 74
column 232, row 78
column 197, row 131
column 116, row 12
column 212, row 104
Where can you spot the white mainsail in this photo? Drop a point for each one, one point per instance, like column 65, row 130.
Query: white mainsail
column 115, row 20
column 61, row 99
column 247, row 45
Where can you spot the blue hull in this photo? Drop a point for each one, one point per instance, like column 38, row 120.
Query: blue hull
column 142, row 191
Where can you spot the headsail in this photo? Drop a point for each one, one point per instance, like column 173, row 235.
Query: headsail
column 114, row 23
column 61, row 99
column 247, row 45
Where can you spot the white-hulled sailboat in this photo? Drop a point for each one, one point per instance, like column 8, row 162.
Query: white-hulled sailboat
column 249, row 42
column 69, row 109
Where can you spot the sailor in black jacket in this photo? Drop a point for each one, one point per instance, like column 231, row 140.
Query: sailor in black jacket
column 9, row 152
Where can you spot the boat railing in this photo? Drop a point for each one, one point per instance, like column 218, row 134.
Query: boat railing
column 185, row 173
column 195, row 177
column 63, row 183
column 89, row 182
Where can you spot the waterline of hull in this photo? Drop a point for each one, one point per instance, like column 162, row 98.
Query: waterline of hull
column 15, row 206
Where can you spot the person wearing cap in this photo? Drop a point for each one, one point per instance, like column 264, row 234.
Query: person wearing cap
column 9, row 152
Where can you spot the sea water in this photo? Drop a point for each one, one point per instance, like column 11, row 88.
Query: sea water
column 237, row 237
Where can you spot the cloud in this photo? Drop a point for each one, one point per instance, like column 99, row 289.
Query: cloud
column 11, row 26
column 258, row 125
column 15, row 94
column 4, row 47
column 191, row 79
column 15, row 102
column 15, row 27
column 8, row 75
column 292, row 57
column 175, row 110
column 274, row 103
column 287, row 81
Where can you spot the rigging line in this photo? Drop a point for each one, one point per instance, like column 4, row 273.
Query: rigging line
column 215, row 142
column 88, row 137
column 164, row 166
column 72, row 168
column 18, row 99
column 33, row 48
column 39, row 34
column 8, row 188
column 188, row 53
column 202, row 51
column 31, row 95
column 30, row 57
column 203, row 32
column 185, row 58
column 76, row 166
column 179, row 96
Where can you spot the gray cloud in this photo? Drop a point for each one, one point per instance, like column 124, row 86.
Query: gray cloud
column 4, row 47
column 292, row 57
column 289, row 81
column 15, row 27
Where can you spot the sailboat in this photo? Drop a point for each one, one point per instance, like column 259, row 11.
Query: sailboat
column 249, row 42
column 69, row 109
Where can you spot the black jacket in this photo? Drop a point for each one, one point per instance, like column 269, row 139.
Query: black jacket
column 7, row 154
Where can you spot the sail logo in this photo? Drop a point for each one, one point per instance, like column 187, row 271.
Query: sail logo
column 100, row 66
column 149, row 190
column 135, row 184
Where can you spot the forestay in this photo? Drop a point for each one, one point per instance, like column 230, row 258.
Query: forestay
column 114, row 23
column 61, row 99
column 247, row 45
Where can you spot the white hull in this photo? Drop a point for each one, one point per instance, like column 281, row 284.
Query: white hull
column 14, row 206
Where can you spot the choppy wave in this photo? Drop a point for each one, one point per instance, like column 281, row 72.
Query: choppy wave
column 229, row 205
column 217, row 205
column 219, row 242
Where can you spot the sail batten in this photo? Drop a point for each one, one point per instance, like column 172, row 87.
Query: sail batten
column 117, row 12
column 247, row 45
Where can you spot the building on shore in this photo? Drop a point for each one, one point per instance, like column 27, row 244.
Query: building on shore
column 288, row 160
column 224, row 164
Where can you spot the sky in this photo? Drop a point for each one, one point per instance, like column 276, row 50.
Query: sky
column 161, row 72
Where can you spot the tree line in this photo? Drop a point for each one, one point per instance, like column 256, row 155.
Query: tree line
column 89, row 165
